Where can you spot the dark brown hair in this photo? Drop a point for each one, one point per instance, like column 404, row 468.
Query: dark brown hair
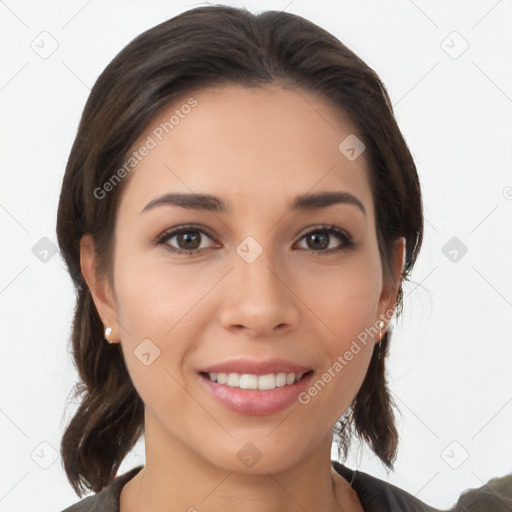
column 201, row 48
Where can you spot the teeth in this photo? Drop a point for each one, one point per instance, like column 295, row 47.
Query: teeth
column 249, row 381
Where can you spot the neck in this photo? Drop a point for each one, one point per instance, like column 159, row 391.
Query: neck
column 175, row 478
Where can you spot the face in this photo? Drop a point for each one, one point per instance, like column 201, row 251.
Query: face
column 267, row 277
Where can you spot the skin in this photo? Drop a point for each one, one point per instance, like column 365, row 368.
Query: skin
column 256, row 149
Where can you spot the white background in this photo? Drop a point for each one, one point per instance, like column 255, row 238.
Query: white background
column 451, row 353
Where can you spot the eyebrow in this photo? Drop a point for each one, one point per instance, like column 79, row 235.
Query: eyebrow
column 212, row 203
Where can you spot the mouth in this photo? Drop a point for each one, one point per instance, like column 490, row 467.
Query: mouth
column 255, row 395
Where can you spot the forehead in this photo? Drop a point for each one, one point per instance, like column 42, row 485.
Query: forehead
column 264, row 145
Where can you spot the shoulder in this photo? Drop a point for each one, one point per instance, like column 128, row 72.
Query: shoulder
column 381, row 496
column 494, row 496
column 107, row 500
column 377, row 495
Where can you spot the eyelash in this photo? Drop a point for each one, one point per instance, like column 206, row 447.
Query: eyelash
column 340, row 234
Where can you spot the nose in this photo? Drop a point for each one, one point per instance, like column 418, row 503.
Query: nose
column 258, row 299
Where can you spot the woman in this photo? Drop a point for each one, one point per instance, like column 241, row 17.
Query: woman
column 238, row 214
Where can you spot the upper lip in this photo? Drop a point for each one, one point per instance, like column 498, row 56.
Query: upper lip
column 253, row 367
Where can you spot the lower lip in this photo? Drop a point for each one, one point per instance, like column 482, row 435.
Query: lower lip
column 256, row 402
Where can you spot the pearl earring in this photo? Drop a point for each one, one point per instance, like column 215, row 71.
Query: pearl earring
column 108, row 332
column 380, row 325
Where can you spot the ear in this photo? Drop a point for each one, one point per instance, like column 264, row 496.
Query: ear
column 387, row 300
column 99, row 287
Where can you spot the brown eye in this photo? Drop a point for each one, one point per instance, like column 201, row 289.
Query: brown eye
column 188, row 240
column 185, row 240
column 318, row 240
column 321, row 240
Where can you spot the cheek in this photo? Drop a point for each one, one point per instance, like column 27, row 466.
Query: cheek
column 158, row 310
column 347, row 307
column 346, row 297
column 347, row 350
column 157, row 307
column 157, row 298
column 352, row 320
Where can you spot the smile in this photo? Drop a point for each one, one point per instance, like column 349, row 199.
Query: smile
column 255, row 395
